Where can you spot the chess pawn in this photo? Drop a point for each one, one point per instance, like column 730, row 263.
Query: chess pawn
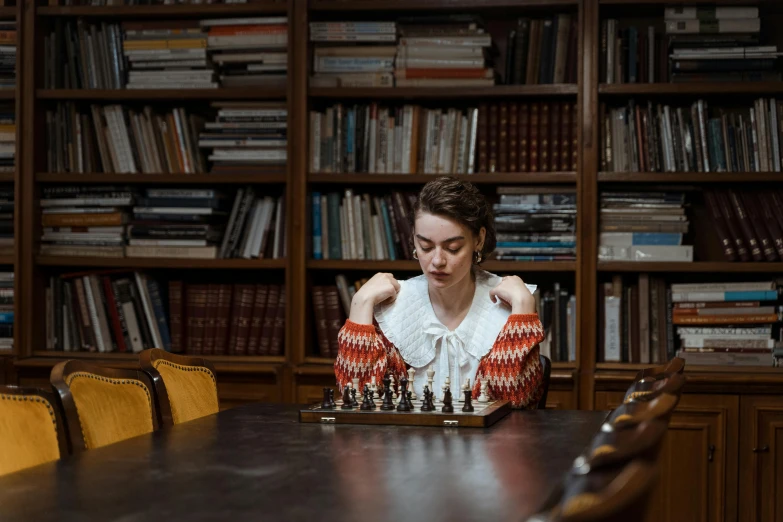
column 465, row 386
column 447, row 406
column 347, row 402
column 446, row 386
column 393, row 386
column 366, row 403
column 430, row 379
column 484, row 397
column 403, row 404
column 411, row 375
column 373, row 388
column 468, row 407
column 388, row 401
column 354, row 402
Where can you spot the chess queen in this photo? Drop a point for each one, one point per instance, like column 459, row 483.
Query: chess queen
column 455, row 318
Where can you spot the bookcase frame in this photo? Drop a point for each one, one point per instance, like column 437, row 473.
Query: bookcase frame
column 298, row 365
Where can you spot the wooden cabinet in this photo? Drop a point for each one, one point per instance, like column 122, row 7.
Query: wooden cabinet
column 698, row 481
column 761, row 459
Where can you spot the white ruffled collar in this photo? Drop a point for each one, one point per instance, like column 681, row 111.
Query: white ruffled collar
column 409, row 322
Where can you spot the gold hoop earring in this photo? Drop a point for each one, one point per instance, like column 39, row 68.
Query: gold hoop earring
column 478, row 257
column 415, row 255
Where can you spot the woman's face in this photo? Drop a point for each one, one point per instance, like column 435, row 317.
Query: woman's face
column 445, row 248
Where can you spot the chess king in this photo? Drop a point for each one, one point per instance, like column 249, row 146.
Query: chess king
column 456, row 318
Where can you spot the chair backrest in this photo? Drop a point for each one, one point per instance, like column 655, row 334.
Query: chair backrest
column 546, row 368
column 647, row 390
column 618, row 494
column 103, row 405
column 636, row 412
column 616, row 447
column 31, row 428
column 676, row 365
column 185, row 387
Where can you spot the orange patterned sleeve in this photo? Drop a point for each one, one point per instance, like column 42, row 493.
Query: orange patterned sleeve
column 512, row 366
column 364, row 352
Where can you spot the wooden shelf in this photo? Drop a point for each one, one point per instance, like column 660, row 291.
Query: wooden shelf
column 497, row 91
column 7, row 12
column 689, row 177
column 69, row 177
column 691, row 89
column 7, row 94
column 637, row 3
column 7, row 176
column 439, row 5
column 493, row 178
column 408, row 265
column 181, row 10
column 6, row 260
column 696, row 266
column 153, row 262
column 233, row 93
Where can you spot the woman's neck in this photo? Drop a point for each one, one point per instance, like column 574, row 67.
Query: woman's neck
column 452, row 304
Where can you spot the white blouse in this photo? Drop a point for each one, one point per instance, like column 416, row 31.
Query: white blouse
column 409, row 322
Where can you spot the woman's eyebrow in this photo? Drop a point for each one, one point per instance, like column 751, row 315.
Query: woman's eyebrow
column 449, row 240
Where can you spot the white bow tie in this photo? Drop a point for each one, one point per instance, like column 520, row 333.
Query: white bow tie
column 452, row 347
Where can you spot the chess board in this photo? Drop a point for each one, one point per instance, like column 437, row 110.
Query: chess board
column 484, row 414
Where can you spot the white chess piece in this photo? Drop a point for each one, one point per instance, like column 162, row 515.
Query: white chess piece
column 484, row 397
column 430, row 378
column 446, row 384
column 411, row 375
column 355, row 384
column 391, row 385
column 373, row 388
column 465, row 386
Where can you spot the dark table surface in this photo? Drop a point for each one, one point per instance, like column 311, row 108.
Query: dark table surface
column 257, row 462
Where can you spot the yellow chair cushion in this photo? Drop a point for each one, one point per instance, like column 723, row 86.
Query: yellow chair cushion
column 192, row 390
column 110, row 410
column 28, row 432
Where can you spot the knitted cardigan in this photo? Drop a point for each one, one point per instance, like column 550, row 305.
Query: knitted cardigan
column 512, row 365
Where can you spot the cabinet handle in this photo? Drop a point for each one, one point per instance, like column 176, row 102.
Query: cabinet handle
column 763, row 449
column 711, row 453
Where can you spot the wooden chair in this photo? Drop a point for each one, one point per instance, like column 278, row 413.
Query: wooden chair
column 648, row 389
column 636, row 412
column 614, row 495
column 185, row 387
column 31, row 428
column 616, row 447
column 546, row 367
column 103, row 405
column 676, row 365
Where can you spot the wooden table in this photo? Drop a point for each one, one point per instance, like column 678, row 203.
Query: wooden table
column 257, row 462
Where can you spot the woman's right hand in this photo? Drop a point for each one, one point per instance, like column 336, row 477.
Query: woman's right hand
column 379, row 288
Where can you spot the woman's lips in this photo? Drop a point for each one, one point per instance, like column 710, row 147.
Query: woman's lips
column 439, row 274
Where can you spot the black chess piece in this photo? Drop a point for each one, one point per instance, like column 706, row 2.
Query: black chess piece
column 404, row 405
column 388, row 400
column 347, row 402
column 366, row 405
column 326, row 403
column 447, row 406
column 468, row 404
column 371, row 395
column 409, row 400
column 426, row 404
column 332, row 404
column 354, row 402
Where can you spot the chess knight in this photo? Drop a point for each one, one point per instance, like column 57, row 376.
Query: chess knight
column 456, row 318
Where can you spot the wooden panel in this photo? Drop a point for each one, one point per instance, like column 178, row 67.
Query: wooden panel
column 560, row 400
column 235, row 392
column 761, row 458
column 697, row 483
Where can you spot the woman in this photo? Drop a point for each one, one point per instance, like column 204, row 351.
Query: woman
column 456, row 319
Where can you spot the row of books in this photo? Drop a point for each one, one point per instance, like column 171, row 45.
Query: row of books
column 535, row 224
column 7, row 54
column 7, row 206
column 7, row 137
column 122, row 139
column 644, row 320
column 227, row 319
column 410, row 139
column 6, row 311
column 748, row 223
column 662, row 138
column 115, row 221
column 643, row 226
column 173, row 54
column 144, row 2
column 542, row 51
column 556, row 307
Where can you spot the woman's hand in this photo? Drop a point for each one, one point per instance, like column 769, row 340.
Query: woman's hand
column 512, row 291
column 379, row 288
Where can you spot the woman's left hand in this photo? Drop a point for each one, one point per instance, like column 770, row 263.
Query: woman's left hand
column 513, row 292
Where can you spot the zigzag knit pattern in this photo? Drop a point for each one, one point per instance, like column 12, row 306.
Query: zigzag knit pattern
column 364, row 352
column 512, row 366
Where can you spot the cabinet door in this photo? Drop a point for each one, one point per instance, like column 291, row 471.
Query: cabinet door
column 761, row 459
column 698, row 479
